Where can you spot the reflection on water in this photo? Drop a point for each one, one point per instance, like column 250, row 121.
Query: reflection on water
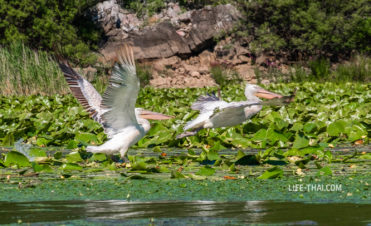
column 182, row 213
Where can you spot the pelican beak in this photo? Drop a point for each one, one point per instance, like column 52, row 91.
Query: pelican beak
column 266, row 94
column 154, row 115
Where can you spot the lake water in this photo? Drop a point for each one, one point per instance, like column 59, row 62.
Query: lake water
column 184, row 213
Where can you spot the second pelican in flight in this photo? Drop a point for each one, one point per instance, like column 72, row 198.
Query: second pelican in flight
column 122, row 122
column 215, row 113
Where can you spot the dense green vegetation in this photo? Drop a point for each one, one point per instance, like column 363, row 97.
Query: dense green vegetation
column 322, row 116
column 299, row 29
column 26, row 72
column 292, row 29
column 55, row 26
column 357, row 69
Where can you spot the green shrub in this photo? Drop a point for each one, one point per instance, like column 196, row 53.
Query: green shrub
column 224, row 77
column 142, row 8
column 320, row 68
column 144, row 74
column 52, row 25
column 300, row 29
column 358, row 69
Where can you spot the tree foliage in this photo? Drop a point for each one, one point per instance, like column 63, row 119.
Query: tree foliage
column 311, row 27
column 52, row 25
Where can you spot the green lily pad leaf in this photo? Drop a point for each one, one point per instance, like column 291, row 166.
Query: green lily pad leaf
column 16, row 158
column 175, row 174
column 98, row 157
column 197, row 177
column 336, row 128
column 8, row 140
column 212, row 155
column 137, row 177
column 41, row 168
column 163, row 169
column 72, row 144
column 301, row 163
column 240, row 154
column 297, row 126
column 309, row 127
column 324, row 171
column 217, row 146
column 300, row 142
column 280, row 123
column 247, row 160
column 35, row 152
column 206, row 171
column 71, row 166
column 356, row 132
column 42, row 142
column 139, row 166
column 58, row 155
column 272, row 173
column 157, row 149
column 74, row 157
column 87, row 138
column 260, row 135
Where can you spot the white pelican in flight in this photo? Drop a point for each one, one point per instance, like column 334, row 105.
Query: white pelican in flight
column 215, row 113
column 122, row 122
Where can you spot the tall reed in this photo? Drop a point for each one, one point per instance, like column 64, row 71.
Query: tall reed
column 25, row 72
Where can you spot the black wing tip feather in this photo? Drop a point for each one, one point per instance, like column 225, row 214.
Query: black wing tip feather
column 208, row 97
column 198, row 105
column 68, row 72
column 72, row 78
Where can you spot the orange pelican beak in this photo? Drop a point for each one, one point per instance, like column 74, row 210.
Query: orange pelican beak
column 266, row 94
column 154, row 115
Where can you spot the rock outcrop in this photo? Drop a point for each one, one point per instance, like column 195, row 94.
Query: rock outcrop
column 168, row 34
column 179, row 47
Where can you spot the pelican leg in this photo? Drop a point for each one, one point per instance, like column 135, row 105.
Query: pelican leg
column 188, row 133
column 124, row 154
column 126, row 159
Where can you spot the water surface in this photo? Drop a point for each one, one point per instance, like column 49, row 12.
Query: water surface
column 182, row 213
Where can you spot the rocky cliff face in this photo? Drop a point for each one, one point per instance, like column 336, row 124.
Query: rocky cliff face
column 180, row 47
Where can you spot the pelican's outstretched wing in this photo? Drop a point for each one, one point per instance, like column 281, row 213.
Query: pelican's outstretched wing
column 235, row 113
column 202, row 101
column 234, row 108
column 120, row 97
column 83, row 91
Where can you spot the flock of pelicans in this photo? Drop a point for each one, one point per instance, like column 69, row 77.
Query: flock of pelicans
column 125, row 125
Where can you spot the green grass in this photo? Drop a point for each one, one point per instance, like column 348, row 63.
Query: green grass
column 357, row 69
column 26, row 72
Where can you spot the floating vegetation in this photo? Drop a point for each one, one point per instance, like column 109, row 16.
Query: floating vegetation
column 290, row 140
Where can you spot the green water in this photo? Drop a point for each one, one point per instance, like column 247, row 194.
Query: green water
column 182, row 213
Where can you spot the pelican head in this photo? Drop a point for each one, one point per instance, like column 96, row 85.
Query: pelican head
column 252, row 92
column 145, row 114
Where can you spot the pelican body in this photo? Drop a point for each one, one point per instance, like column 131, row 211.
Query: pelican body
column 215, row 113
column 115, row 111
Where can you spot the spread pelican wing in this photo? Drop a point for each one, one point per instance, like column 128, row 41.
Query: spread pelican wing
column 120, row 97
column 215, row 113
column 203, row 102
column 122, row 122
column 83, row 91
column 233, row 110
